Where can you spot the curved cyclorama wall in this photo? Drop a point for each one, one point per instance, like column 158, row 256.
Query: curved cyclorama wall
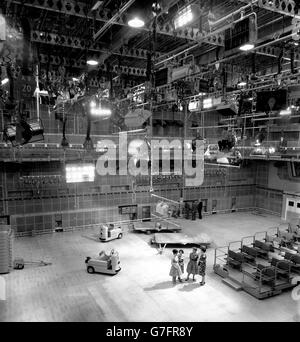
column 39, row 209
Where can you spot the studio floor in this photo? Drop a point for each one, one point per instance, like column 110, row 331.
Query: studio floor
column 143, row 290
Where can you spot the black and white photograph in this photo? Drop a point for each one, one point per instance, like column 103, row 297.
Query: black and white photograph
column 149, row 164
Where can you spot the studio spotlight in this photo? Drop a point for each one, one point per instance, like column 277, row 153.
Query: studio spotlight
column 207, row 103
column 287, row 111
column 24, row 132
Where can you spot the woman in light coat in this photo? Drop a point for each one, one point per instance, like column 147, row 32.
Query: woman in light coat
column 192, row 266
column 175, row 271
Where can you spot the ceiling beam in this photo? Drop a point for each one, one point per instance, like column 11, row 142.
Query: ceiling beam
column 284, row 7
column 72, row 8
column 56, row 60
column 80, row 10
column 80, row 43
column 124, row 35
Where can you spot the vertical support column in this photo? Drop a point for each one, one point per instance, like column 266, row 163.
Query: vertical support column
column 152, row 87
column 37, row 93
column 2, row 208
column 5, row 192
column 151, row 135
column 185, row 107
column 2, row 122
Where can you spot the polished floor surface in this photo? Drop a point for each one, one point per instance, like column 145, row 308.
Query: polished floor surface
column 142, row 291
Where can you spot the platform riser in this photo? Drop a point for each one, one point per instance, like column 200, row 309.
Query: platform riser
column 232, row 284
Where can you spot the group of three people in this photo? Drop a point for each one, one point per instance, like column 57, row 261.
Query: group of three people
column 196, row 265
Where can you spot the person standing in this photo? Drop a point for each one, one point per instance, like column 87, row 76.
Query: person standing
column 175, row 271
column 200, row 205
column 192, row 267
column 194, row 210
column 187, row 210
column 181, row 260
column 202, row 264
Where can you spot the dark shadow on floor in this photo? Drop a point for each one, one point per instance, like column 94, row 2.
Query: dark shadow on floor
column 160, row 286
column 190, row 287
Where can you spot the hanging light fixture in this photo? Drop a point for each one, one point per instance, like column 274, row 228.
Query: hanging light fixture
column 92, row 62
column 249, row 44
column 24, row 132
column 136, row 22
column 64, row 142
column 247, row 47
column 242, row 84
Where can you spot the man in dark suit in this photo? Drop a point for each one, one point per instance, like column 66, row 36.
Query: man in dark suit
column 194, row 210
column 200, row 209
column 187, row 210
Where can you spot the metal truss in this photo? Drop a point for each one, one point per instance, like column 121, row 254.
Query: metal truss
column 193, row 34
column 275, row 52
column 80, row 43
column 285, row 7
column 81, row 10
column 115, row 18
column 67, row 62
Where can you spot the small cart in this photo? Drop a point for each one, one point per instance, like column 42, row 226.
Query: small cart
column 107, row 264
column 110, row 232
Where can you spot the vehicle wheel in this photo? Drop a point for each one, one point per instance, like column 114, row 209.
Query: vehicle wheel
column 120, row 236
column 90, row 269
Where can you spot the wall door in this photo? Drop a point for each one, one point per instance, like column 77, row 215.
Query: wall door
column 214, row 206
column 204, row 205
column 146, row 213
column 233, row 204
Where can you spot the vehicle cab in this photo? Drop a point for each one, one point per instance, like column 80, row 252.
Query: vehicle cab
column 107, row 264
column 110, row 232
